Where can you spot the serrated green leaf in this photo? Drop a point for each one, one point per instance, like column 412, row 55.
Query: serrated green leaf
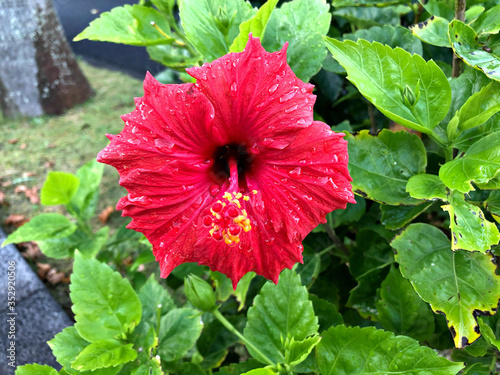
column 212, row 25
column 42, row 227
column 104, row 303
column 468, row 137
column 66, row 345
column 129, row 24
column 179, row 330
column 382, row 165
column 381, row 73
column 480, row 107
column 397, row 36
column 469, row 229
column 301, row 23
column 401, row 310
column 297, row 351
column 466, row 46
column 395, row 217
column 488, row 22
column 279, row 312
column 493, row 204
column 59, row 188
column 433, row 31
column 456, row 283
column 426, row 186
column 356, row 351
column 104, row 353
column 153, row 297
column 255, row 25
column 35, row 369
column 480, row 164
column 86, row 197
column 477, row 369
column 362, row 17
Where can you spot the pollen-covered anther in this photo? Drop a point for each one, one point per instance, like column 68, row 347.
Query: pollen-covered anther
column 228, row 219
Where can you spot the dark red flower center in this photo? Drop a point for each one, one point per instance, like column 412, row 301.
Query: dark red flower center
column 233, row 151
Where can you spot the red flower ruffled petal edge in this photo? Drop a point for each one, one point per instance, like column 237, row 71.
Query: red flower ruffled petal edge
column 234, row 219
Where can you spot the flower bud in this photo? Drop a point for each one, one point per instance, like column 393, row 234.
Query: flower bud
column 199, row 293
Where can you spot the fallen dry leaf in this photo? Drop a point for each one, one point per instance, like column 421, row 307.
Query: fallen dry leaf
column 54, row 277
column 20, row 189
column 30, row 250
column 49, row 164
column 32, row 194
column 22, row 146
column 104, row 215
column 15, row 220
column 13, row 141
column 6, row 183
column 28, row 174
column 2, row 198
column 42, row 269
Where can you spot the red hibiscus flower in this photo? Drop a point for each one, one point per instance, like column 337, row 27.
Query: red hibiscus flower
column 232, row 171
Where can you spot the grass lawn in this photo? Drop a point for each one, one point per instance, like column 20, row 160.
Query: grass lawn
column 30, row 148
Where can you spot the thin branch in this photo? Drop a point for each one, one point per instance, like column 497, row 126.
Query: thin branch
column 336, row 241
column 459, row 15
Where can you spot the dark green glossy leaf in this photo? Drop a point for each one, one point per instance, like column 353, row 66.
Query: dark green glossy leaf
column 381, row 73
column 441, row 8
column 59, row 188
column 493, row 204
column 479, row 164
column 279, row 312
column 455, row 283
column 401, row 310
column 477, row 369
column 129, row 24
column 395, row 217
column 212, row 25
column 426, row 186
column 42, row 227
column 465, row 44
column 382, row 165
column 357, row 351
column 297, row 351
column 327, row 313
column 365, row 3
column 255, row 25
column 468, row 137
column 104, row 303
column 433, row 31
column 240, row 368
column 301, row 23
column 179, row 330
column 488, row 333
column 362, row 17
column 470, row 231
column 397, row 36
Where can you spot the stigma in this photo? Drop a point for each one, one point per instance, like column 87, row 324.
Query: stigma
column 227, row 219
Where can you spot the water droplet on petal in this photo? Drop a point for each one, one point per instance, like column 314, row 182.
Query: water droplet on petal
column 165, row 145
column 267, row 141
column 134, row 141
column 141, row 200
column 214, row 190
column 291, row 109
column 269, row 241
column 273, row 88
column 302, row 161
column 296, row 173
column 234, row 87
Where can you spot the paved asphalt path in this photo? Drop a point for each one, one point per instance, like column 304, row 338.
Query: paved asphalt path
column 75, row 15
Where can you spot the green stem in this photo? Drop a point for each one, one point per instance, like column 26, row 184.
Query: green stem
column 448, row 153
column 181, row 35
column 247, row 342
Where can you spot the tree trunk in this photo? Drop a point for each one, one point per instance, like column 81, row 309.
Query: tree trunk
column 38, row 71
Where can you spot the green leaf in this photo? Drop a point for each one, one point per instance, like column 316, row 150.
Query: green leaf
column 459, row 284
column 90, row 248
column 255, row 25
column 395, row 217
column 179, row 330
column 354, row 350
column 242, row 289
column 365, row 3
column 223, row 285
column 260, row 371
column 42, row 227
column 104, row 353
column 65, row 247
column 327, row 313
column 381, row 73
column 153, row 296
column 468, row 137
column 469, row 229
column 488, row 22
column 473, row 12
column 66, row 346
column 239, row 368
column 381, row 165
column 59, row 188
column 172, row 57
column 212, row 25
column 397, row 36
column 129, row 24
column 480, row 107
column 493, row 204
column 426, row 186
column 297, row 351
column 301, row 23
column 488, row 334
column 441, row 8
column 35, row 369
column 401, row 310
column 433, row 31
column 104, row 303
column 362, row 17
column 86, row 197
column 477, row 369
column 479, row 164
column 165, row 6
column 279, row 312
column 466, row 46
